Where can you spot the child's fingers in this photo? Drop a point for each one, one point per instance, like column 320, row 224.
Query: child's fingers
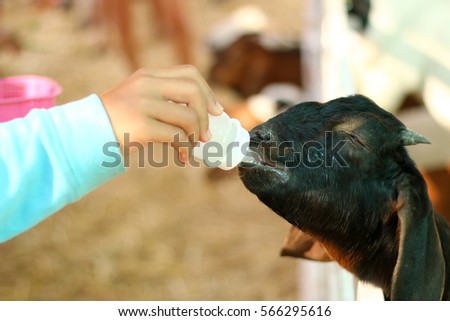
column 186, row 91
column 167, row 133
column 189, row 72
column 182, row 152
column 178, row 115
column 161, row 132
column 188, row 80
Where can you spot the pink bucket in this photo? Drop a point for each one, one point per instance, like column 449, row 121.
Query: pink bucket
column 20, row 94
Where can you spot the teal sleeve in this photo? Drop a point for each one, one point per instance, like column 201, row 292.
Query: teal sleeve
column 51, row 158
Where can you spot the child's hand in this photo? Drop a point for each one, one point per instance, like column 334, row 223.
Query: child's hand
column 146, row 106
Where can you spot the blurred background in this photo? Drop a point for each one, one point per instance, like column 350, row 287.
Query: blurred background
column 196, row 233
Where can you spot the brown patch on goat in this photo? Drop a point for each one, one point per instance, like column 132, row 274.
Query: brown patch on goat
column 348, row 261
column 350, row 125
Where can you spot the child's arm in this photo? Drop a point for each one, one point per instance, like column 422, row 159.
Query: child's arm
column 53, row 157
column 49, row 159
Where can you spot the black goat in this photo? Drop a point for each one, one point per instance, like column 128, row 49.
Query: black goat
column 340, row 173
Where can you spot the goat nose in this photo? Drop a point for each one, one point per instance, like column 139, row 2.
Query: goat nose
column 262, row 135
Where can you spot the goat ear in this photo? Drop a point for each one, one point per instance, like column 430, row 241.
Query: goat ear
column 419, row 273
column 299, row 244
column 409, row 137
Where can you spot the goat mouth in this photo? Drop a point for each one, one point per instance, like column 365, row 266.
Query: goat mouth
column 253, row 158
column 254, row 161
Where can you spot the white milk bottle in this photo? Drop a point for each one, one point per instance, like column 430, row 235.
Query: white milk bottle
column 227, row 146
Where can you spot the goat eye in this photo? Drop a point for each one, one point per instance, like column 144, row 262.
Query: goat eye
column 355, row 139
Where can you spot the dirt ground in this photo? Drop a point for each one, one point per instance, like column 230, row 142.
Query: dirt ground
column 153, row 233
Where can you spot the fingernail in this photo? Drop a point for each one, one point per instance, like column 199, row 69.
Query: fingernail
column 182, row 157
column 219, row 107
column 206, row 136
